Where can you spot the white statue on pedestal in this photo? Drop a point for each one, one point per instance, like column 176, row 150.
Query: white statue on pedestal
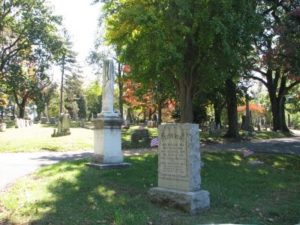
column 107, row 126
column 108, row 89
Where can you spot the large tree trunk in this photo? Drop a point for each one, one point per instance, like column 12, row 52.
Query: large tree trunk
column 150, row 113
column 218, row 112
column 275, row 112
column 278, row 114
column 186, row 102
column 283, row 125
column 21, row 110
column 278, row 107
column 21, row 104
column 159, row 112
column 248, row 124
column 231, row 99
column 129, row 116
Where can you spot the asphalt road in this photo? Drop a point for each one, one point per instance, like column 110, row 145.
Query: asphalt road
column 16, row 165
column 280, row 145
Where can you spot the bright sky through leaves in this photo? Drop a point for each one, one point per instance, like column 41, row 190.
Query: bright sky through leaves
column 80, row 18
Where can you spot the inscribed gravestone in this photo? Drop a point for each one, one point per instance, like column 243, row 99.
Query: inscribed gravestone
column 179, row 168
column 179, row 158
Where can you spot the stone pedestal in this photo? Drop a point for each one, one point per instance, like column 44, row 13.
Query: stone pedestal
column 179, row 169
column 107, row 140
column 192, row 202
column 107, row 143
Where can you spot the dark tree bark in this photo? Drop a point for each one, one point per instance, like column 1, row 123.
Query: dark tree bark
column 186, row 102
column 283, row 124
column 159, row 112
column 21, row 107
column 129, row 116
column 231, row 99
column 218, row 112
column 21, row 104
column 277, row 101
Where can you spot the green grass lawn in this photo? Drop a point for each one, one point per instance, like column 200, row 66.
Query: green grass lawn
column 257, row 135
column 72, row 193
column 38, row 138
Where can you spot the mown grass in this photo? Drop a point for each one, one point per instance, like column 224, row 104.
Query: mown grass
column 38, row 138
column 71, row 193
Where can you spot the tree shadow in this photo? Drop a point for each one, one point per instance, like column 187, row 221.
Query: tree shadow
column 98, row 196
column 77, row 194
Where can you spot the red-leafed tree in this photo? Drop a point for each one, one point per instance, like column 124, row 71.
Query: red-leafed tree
column 137, row 98
column 277, row 54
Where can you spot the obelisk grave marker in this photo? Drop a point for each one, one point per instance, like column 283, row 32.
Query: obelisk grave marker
column 107, row 126
column 179, row 161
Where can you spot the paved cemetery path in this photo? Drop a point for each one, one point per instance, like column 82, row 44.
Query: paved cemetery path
column 16, row 165
column 290, row 145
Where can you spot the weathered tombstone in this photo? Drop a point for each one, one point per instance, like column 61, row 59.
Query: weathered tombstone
column 107, row 130
column 140, row 136
column 44, row 120
column 65, row 124
column 2, row 126
column 126, row 124
column 179, row 169
column 17, row 123
column 150, row 123
column 23, row 123
column 63, row 127
column 52, row 120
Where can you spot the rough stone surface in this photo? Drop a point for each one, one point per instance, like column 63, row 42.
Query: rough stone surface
column 179, row 169
column 179, row 157
column 140, row 135
column 191, row 202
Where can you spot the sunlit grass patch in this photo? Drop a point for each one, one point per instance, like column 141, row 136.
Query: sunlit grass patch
column 38, row 138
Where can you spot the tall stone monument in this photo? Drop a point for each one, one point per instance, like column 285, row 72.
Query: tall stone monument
column 179, row 167
column 107, row 126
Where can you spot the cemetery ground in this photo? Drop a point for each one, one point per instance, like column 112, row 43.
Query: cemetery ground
column 71, row 193
column 38, row 138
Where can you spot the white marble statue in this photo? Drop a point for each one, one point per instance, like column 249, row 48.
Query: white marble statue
column 108, row 88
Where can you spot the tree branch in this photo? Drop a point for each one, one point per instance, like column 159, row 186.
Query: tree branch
column 258, row 78
column 293, row 85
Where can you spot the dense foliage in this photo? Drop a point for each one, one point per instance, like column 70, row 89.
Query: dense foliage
column 29, row 44
column 181, row 44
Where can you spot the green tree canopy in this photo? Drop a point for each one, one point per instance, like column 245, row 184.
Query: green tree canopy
column 183, row 44
column 29, row 44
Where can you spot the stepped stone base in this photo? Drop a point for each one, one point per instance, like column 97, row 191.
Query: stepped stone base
column 102, row 166
column 191, row 202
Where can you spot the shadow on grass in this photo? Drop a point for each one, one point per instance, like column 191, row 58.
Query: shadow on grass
column 99, row 196
column 240, row 193
column 63, row 157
